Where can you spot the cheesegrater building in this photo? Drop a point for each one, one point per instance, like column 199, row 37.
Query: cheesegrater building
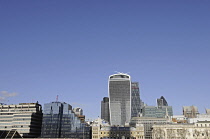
column 120, row 98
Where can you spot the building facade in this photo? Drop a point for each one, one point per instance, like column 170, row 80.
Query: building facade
column 179, row 119
column 148, row 122
column 105, row 109
column 25, row 118
column 59, row 121
column 199, row 117
column 161, row 102
column 135, row 100
column 119, row 98
column 157, row 112
column 79, row 113
column 208, row 111
column 190, row 111
column 199, row 130
column 101, row 130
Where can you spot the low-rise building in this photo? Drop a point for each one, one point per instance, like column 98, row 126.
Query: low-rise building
column 199, row 117
column 208, row 111
column 157, row 112
column 25, row 118
column 179, row 119
column 79, row 114
column 199, row 130
column 102, row 130
column 148, row 122
column 190, row 111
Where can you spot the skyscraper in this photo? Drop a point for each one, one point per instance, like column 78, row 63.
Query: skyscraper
column 120, row 98
column 161, row 102
column 135, row 100
column 105, row 109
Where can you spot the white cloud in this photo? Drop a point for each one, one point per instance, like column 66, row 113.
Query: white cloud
column 7, row 94
column 4, row 95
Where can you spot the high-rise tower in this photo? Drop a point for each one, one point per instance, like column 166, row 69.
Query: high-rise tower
column 135, row 100
column 161, row 102
column 105, row 109
column 120, row 98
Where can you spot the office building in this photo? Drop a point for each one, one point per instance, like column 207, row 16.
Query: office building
column 190, row 111
column 105, row 109
column 148, row 122
column 25, row 118
column 135, row 100
column 160, row 111
column 157, row 112
column 59, row 121
column 119, row 98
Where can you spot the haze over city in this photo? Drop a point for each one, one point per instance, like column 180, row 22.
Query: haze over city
column 69, row 48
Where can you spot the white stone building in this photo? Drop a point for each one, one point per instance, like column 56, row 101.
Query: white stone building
column 199, row 117
column 199, row 130
column 148, row 122
column 102, row 130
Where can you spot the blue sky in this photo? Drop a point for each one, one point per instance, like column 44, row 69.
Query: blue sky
column 69, row 48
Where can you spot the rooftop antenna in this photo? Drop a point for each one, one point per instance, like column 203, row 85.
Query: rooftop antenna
column 57, row 98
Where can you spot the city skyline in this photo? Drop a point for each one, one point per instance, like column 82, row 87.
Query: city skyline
column 69, row 49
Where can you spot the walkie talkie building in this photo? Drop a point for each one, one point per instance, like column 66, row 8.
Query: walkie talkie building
column 120, row 98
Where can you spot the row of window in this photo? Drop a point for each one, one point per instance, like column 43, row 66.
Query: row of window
column 118, row 133
column 203, row 125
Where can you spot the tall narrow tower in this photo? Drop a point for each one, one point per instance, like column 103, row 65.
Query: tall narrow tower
column 120, row 98
column 105, row 109
column 135, row 100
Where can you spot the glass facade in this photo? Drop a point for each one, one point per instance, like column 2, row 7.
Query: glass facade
column 161, row 102
column 105, row 109
column 59, row 121
column 120, row 99
column 135, row 100
column 157, row 112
